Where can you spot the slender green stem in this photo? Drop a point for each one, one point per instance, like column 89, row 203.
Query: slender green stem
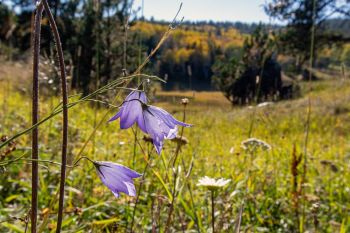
column 212, row 211
column 175, row 174
column 138, row 193
column 82, row 157
column 181, row 134
column 308, row 118
column 135, row 148
column 148, row 161
column 35, row 117
column 12, row 161
column 171, row 209
column 194, row 209
column 126, row 27
column 97, row 31
column 256, row 100
column 165, row 36
column 239, row 220
column 41, row 161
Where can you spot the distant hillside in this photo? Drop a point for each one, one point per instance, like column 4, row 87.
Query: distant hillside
column 186, row 58
column 242, row 27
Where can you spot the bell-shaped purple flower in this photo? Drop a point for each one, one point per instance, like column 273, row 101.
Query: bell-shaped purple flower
column 156, row 122
column 160, row 125
column 131, row 110
column 117, row 177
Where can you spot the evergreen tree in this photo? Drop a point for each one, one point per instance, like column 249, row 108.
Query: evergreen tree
column 252, row 74
column 296, row 36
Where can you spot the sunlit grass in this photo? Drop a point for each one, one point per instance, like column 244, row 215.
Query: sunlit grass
column 215, row 148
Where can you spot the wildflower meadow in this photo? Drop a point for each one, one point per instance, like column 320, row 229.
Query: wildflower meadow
column 126, row 155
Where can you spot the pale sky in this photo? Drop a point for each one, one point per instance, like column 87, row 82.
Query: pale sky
column 196, row 10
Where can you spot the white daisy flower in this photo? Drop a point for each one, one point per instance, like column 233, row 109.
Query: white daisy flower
column 212, row 183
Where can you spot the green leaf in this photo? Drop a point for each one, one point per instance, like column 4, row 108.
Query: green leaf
column 13, row 227
column 12, row 197
column 343, row 226
column 164, row 185
column 105, row 221
column 187, row 209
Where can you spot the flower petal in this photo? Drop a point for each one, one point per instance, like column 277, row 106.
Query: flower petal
column 172, row 133
column 122, row 169
column 116, row 116
column 131, row 111
column 116, row 194
column 141, row 123
column 117, row 177
column 155, row 128
column 142, row 97
column 166, row 117
column 131, row 188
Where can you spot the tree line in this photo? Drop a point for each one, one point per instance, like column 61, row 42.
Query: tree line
column 105, row 39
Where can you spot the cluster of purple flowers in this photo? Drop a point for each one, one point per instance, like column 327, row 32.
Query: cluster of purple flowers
column 156, row 122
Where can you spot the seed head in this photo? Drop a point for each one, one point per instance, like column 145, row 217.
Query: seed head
column 253, row 144
column 185, row 101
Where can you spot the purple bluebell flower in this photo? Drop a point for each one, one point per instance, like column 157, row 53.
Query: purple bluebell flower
column 117, row 177
column 156, row 122
column 160, row 125
column 131, row 110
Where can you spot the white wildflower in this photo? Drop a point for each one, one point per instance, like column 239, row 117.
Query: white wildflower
column 254, row 144
column 212, row 183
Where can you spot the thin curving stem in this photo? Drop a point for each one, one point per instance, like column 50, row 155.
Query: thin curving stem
column 35, row 116
column 64, row 112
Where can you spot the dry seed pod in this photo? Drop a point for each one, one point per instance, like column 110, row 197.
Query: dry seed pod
column 3, row 138
column 330, row 164
column 180, row 140
column 147, row 138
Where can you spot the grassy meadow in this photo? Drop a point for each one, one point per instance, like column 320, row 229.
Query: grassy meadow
column 268, row 191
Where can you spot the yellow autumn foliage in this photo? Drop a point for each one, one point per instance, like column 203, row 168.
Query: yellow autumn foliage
column 188, row 39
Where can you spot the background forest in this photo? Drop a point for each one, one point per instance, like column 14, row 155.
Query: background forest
column 93, row 35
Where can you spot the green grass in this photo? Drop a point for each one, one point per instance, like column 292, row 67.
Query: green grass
column 263, row 179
